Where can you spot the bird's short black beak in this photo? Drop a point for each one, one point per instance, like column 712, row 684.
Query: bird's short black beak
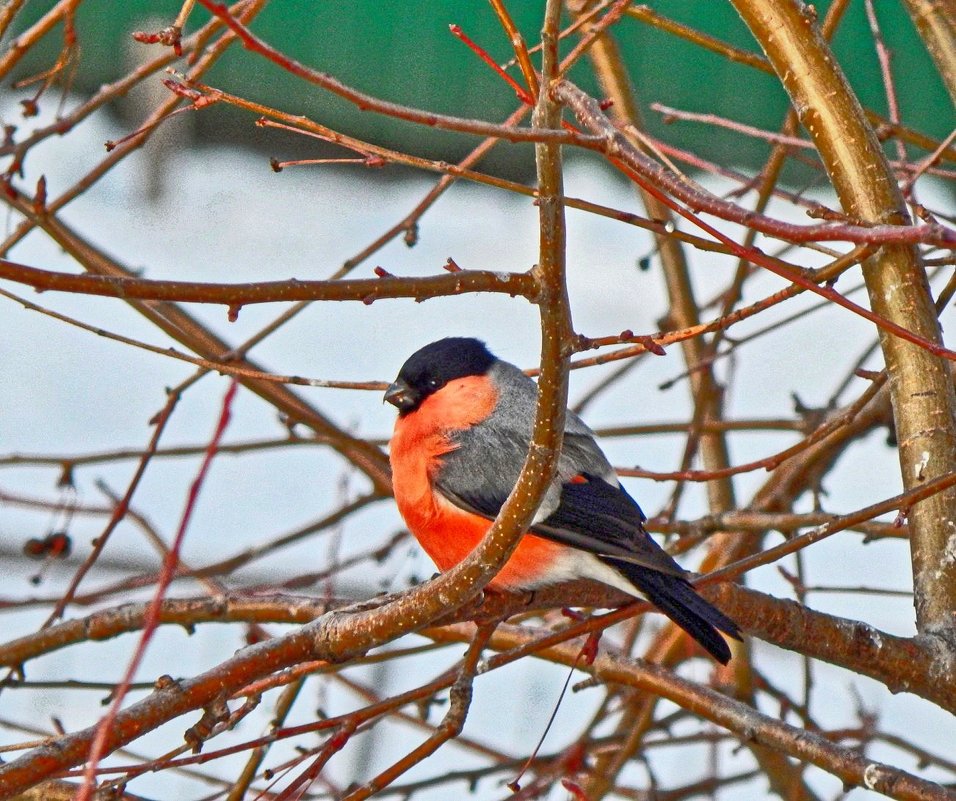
column 400, row 395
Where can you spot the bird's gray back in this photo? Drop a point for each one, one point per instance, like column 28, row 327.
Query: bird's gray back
column 489, row 456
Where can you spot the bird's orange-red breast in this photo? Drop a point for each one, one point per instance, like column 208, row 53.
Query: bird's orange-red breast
column 462, row 434
column 447, row 532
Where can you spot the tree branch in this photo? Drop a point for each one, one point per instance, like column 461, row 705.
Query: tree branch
column 924, row 403
column 235, row 296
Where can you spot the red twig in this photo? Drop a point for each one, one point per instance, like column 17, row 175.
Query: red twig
column 884, row 57
column 367, row 102
column 119, row 512
column 756, row 257
column 152, row 615
column 620, row 150
column 479, row 51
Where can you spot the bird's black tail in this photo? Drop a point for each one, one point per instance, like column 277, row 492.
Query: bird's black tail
column 677, row 599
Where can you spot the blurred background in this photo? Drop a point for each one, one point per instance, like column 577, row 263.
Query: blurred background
column 404, row 52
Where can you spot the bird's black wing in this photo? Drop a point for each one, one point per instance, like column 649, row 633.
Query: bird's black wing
column 600, row 517
column 585, row 511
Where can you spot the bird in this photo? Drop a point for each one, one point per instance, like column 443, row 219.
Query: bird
column 463, row 430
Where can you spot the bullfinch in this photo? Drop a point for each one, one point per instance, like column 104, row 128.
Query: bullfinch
column 461, row 437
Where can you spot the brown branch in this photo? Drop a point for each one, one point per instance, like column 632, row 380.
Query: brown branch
column 221, row 367
column 936, row 23
column 28, row 38
column 707, row 396
column 830, row 425
column 903, row 502
column 784, row 522
column 360, row 631
column 911, row 664
column 303, row 125
column 335, row 637
column 151, row 619
column 109, row 92
column 702, row 40
column 924, row 402
column 7, row 14
column 646, row 173
column 186, row 612
column 306, row 126
column 919, row 665
column 450, row 727
column 408, row 225
column 168, row 317
column 55, row 790
column 119, row 511
column 179, row 325
column 850, row 766
column 914, row 665
column 249, row 11
column 235, row 296
column 615, row 145
column 415, row 609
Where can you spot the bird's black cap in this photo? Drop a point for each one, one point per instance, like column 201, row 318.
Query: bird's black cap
column 428, row 369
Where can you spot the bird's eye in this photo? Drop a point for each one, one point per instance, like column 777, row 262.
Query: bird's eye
column 433, row 383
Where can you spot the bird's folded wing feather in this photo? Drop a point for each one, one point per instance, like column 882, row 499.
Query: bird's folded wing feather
column 582, row 509
column 599, row 517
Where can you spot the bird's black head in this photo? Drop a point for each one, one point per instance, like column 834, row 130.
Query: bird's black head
column 430, row 368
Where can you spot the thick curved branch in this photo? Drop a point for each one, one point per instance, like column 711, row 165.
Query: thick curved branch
column 916, row 665
column 924, row 403
column 187, row 612
column 920, row 665
column 936, row 23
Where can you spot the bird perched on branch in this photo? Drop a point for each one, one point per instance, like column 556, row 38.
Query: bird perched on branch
column 462, row 434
